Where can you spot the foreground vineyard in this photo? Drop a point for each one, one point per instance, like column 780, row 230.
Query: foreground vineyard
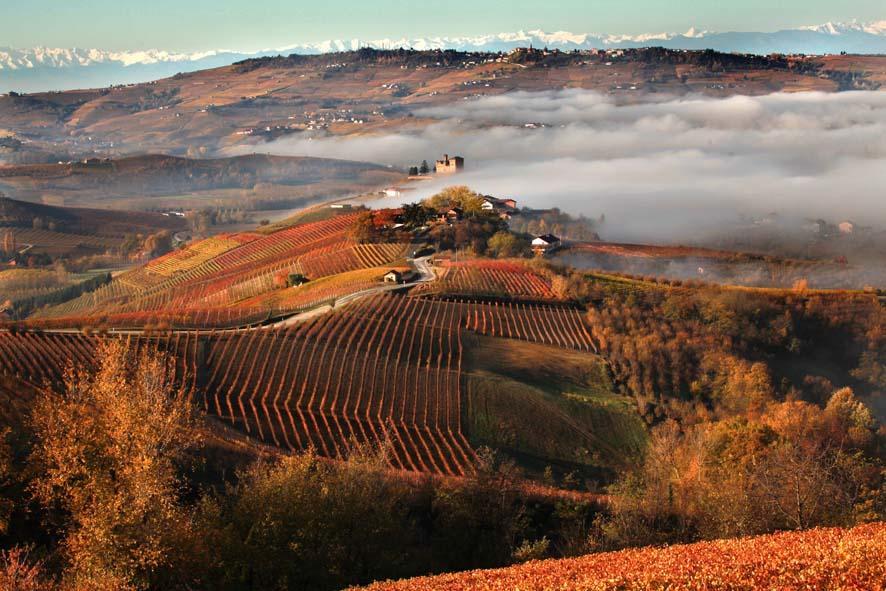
column 386, row 368
column 847, row 559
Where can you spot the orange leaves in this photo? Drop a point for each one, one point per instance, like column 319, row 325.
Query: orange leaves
column 813, row 559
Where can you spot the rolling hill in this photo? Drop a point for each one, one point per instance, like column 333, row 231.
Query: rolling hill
column 158, row 182
column 357, row 92
column 85, row 221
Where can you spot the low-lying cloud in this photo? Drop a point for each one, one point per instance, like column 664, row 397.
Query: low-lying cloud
column 656, row 168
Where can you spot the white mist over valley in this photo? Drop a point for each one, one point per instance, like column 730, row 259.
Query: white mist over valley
column 657, row 169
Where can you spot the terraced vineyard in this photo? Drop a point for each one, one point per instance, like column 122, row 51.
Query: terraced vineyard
column 552, row 325
column 509, row 279
column 230, row 271
column 384, row 368
column 322, row 291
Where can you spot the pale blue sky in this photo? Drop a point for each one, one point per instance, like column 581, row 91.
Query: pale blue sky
column 189, row 25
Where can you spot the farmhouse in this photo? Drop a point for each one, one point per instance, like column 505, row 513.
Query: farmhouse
column 505, row 208
column 545, row 243
column 494, row 204
column 450, row 165
column 393, row 276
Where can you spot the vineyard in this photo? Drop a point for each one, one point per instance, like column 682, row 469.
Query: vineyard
column 814, row 559
column 365, row 373
column 493, row 278
column 383, row 368
column 322, row 291
column 23, row 279
column 60, row 243
column 546, row 324
column 224, row 277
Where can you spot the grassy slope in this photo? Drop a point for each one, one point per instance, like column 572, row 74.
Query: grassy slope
column 549, row 406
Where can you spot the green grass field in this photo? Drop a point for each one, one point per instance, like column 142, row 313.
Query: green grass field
column 548, row 406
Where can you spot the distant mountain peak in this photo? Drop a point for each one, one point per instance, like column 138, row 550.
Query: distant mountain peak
column 44, row 68
column 16, row 59
column 877, row 28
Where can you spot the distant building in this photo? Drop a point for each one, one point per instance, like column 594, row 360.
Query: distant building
column 494, row 204
column 393, row 192
column 545, row 243
column 846, row 227
column 505, row 208
column 450, row 165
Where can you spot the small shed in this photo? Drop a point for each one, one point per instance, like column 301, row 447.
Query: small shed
column 393, row 276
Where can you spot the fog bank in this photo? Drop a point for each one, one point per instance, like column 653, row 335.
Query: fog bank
column 659, row 169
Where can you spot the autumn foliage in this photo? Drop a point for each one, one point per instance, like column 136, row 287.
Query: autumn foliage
column 106, row 449
column 815, row 559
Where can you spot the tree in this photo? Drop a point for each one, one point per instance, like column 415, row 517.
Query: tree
column 413, row 171
column 424, row 168
column 481, row 520
column 506, row 244
column 106, row 448
column 6, row 504
column 795, row 466
column 457, row 196
column 416, row 215
column 306, row 523
column 363, row 227
column 19, row 573
column 158, row 244
column 9, row 242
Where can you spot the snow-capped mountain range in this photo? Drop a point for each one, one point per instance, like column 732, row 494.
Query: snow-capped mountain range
column 41, row 68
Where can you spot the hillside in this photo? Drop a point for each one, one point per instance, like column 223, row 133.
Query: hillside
column 290, row 335
column 72, row 232
column 497, row 409
column 734, row 268
column 248, row 103
column 20, row 214
column 157, row 181
column 816, row 559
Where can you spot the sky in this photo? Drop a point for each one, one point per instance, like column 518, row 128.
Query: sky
column 250, row 25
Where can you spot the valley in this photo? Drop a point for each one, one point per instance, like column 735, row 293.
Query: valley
column 438, row 318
